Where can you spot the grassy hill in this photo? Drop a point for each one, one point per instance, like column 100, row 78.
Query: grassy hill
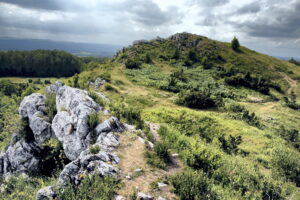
column 232, row 116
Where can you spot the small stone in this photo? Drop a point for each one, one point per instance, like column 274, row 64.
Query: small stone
column 175, row 155
column 162, row 186
column 119, row 197
column 161, row 198
column 143, row 196
column 138, row 170
column 141, row 140
column 128, row 177
column 151, row 145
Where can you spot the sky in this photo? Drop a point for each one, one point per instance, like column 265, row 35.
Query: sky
column 268, row 26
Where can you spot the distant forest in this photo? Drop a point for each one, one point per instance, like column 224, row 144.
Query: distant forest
column 38, row 63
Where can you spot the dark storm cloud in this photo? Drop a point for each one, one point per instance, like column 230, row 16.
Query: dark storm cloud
column 149, row 13
column 278, row 20
column 253, row 7
column 35, row 4
column 210, row 3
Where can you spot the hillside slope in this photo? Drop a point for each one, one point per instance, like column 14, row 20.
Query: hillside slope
column 214, row 123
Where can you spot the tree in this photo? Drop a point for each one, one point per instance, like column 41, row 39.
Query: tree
column 235, row 44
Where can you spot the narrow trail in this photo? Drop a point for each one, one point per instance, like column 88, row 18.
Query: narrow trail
column 131, row 152
column 293, row 83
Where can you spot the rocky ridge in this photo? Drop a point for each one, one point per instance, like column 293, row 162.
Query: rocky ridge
column 71, row 127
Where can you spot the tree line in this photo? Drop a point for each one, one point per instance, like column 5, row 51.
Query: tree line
column 38, row 63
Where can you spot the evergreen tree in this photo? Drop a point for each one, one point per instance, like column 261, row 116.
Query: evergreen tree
column 235, row 44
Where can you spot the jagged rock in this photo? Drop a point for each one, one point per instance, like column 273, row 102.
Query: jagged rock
column 54, row 87
column 88, row 164
column 21, row 157
column 46, row 193
column 143, row 196
column 109, row 125
column 31, row 104
column 32, row 108
column 71, row 126
column 108, row 141
column 99, row 82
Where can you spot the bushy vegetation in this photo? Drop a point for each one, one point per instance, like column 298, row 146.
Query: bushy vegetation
column 53, row 158
column 51, row 105
column 38, row 63
column 241, row 113
column 247, row 80
column 196, row 99
column 131, row 115
column 292, row 60
column 192, row 185
column 91, row 187
column 22, row 187
column 287, row 164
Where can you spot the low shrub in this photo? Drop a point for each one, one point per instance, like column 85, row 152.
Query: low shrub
column 192, row 185
column 93, row 120
column 205, row 158
column 132, row 64
column 162, row 151
column 53, row 158
column 230, row 145
column 154, row 160
column 91, row 187
column 287, row 164
column 94, row 149
column 51, row 105
column 129, row 114
column 196, row 99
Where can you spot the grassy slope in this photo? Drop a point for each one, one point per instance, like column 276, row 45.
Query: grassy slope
column 140, row 89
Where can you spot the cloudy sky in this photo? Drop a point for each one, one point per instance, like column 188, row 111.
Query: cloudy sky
column 269, row 26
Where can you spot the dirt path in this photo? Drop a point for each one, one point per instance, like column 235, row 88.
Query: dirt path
column 131, row 152
column 293, row 83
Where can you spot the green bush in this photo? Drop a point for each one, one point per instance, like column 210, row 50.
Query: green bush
column 192, row 185
column 287, row 164
column 205, row 158
column 18, row 187
column 196, row 99
column 129, row 114
column 230, row 145
column 94, row 149
column 93, row 120
column 240, row 176
column 53, row 158
column 51, row 105
column 91, row 187
column 162, row 151
column 28, row 91
column 154, row 160
column 132, row 64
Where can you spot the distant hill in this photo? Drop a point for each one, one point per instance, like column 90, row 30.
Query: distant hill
column 288, row 58
column 79, row 49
